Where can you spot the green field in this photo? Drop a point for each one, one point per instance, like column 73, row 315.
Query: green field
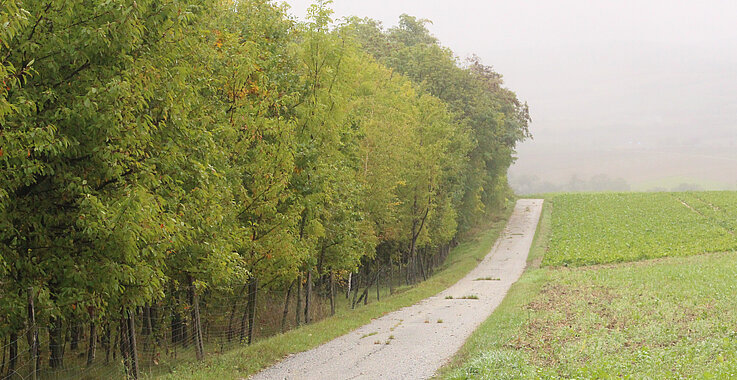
column 668, row 317
column 618, row 227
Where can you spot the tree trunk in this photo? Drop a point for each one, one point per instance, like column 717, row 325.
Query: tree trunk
column 421, row 263
column 196, row 324
column 92, row 345
column 298, row 309
column 406, row 270
column 130, row 336
column 36, row 367
column 252, row 289
column 148, row 327
column 332, row 293
column 106, row 343
column 350, row 281
column 286, row 308
column 364, row 294
column 244, row 317
column 13, row 354
column 5, row 346
column 56, row 343
column 75, row 331
column 429, row 259
column 391, row 276
column 355, row 289
column 124, row 344
column 411, row 263
column 308, row 296
column 378, row 272
column 146, row 330
column 320, row 260
column 33, row 346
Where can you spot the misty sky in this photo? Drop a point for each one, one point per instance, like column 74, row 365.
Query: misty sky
column 640, row 90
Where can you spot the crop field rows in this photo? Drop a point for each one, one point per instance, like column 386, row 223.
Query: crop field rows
column 619, row 227
column 670, row 318
column 719, row 207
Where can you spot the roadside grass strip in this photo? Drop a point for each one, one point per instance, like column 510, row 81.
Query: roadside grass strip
column 659, row 319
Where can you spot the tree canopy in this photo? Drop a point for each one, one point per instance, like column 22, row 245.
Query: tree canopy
column 149, row 147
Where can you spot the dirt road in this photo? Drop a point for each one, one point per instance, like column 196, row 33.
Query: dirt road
column 413, row 342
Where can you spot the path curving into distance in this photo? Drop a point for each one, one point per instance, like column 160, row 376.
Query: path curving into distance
column 419, row 344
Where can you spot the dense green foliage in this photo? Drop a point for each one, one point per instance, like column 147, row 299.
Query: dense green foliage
column 151, row 152
column 666, row 318
column 616, row 227
column 492, row 115
column 461, row 260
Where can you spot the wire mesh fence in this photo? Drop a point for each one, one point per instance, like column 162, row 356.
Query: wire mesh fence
column 150, row 340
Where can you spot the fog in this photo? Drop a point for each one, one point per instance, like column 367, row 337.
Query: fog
column 624, row 95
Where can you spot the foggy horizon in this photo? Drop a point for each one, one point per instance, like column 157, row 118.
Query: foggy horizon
column 636, row 95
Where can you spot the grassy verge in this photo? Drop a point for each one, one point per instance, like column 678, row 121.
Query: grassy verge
column 541, row 241
column 608, row 322
column 662, row 318
column 659, row 319
column 248, row 360
column 486, row 353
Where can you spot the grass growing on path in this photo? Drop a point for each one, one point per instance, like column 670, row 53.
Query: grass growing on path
column 241, row 363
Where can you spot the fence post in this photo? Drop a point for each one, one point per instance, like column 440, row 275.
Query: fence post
column 32, row 333
column 198, row 341
column 252, row 289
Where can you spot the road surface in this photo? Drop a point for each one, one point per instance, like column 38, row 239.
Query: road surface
column 414, row 342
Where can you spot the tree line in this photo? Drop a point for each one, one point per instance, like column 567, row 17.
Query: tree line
column 172, row 152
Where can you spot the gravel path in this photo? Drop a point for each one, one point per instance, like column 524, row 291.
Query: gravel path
column 414, row 342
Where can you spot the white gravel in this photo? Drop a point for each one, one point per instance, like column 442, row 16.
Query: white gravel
column 414, row 342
